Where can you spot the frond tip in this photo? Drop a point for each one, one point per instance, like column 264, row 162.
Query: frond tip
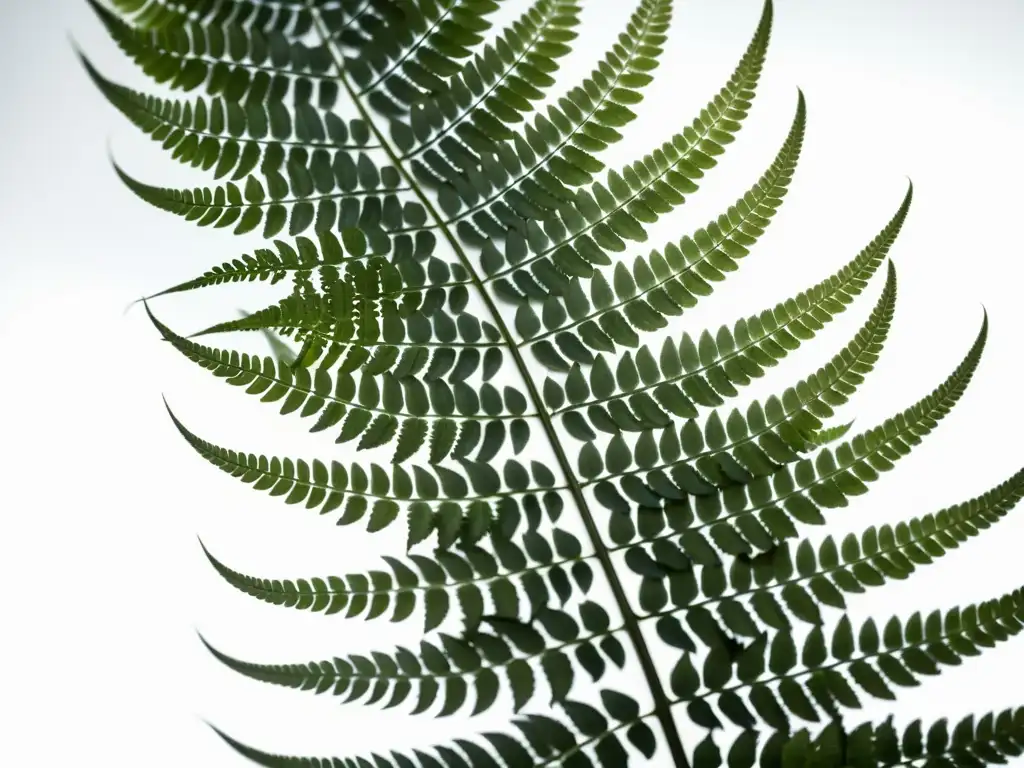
column 542, row 740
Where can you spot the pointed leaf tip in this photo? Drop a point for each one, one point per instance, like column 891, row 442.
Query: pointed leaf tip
column 204, row 641
column 170, row 412
column 131, row 304
column 217, row 564
column 983, row 332
column 907, row 198
column 219, row 732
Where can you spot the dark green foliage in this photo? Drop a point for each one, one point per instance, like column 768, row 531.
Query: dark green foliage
column 462, row 300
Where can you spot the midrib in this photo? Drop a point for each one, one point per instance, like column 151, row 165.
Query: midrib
column 662, row 704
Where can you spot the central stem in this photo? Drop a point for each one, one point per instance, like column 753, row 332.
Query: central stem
column 662, row 705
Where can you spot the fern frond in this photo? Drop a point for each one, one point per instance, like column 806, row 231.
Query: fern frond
column 419, row 54
column 639, row 300
column 973, row 741
column 329, row 252
column 545, row 741
column 228, row 138
column 290, row 18
column 798, row 493
column 510, row 654
column 542, row 737
column 556, row 151
column 689, row 373
column 787, row 581
column 241, row 65
column 970, row 743
column 458, row 519
column 834, row 667
column 497, row 87
column 434, row 326
column 740, row 456
column 402, row 394
column 875, row 557
column 601, row 219
column 858, row 563
column 378, row 413
column 420, row 175
column 310, row 318
column 725, row 522
column 923, row 645
column 366, row 197
column 470, row 492
column 511, row 578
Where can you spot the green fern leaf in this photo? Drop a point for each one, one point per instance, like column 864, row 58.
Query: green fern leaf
column 442, row 673
column 602, row 218
column 681, row 380
column 667, row 284
column 985, row 740
column 413, row 175
column 465, row 575
column 557, row 151
column 744, row 457
column 546, row 737
column 493, row 90
column 833, row 668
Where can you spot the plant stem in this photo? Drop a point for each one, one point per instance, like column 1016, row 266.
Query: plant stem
column 662, row 705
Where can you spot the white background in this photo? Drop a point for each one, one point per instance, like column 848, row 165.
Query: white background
column 101, row 499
